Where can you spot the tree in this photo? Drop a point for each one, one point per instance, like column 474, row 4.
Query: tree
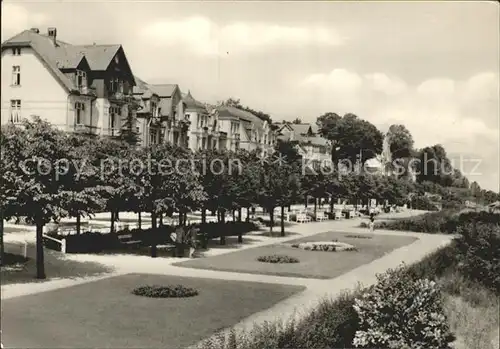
column 400, row 141
column 128, row 131
column 37, row 177
column 278, row 187
column 297, row 121
column 351, row 138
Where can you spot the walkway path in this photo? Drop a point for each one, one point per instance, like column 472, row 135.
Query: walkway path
column 316, row 289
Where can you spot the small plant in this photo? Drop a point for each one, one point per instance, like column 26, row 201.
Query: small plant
column 359, row 236
column 402, row 312
column 154, row 291
column 278, row 259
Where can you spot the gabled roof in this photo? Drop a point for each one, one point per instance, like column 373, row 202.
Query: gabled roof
column 99, row 56
column 226, row 111
column 49, row 54
column 141, row 88
column 192, row 103
column 303, row 133
column 164, row 90
column 61, row 55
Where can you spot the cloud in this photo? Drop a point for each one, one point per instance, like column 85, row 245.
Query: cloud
column 439, row 110
column 16, row 18
column 202, row 36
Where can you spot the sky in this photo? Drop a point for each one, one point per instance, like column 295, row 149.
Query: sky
column 432, row 66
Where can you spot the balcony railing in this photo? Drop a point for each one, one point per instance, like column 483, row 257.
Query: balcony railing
column 87, row 129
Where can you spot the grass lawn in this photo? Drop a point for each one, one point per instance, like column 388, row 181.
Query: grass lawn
column 56, row 266
column 320, row 265
column 105, row 314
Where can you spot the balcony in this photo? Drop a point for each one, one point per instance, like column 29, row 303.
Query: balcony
column 86, row 90
column 86, row 129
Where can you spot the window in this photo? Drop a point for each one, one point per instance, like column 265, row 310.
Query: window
column 16, row 51
column 81, row 78
column 114, row 117
column 153, row 136
column 15, row 111
column 16, row 75
column 153, row 109
column 115, row 85
column 79, row 112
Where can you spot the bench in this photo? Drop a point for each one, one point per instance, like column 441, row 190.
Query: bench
column 321, row 217
column 126, row 239
column 303, row 218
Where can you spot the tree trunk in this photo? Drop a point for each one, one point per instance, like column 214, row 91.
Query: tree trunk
column 306, row 200
column 234, row 215
column 248, row 214
column 239, row 214
column 78, row 223
column 315, row 207
column 161, row 219
column 240, row 235
column 282, row 220
column 2, row 247
column 153, row 226
column 271, row 221
column 112, row 228
column 331, row 205
column 139, row 220
column 180, row 218
column 223, row 221
column 203, row 216
column 218, row 216
column 40, row 263
column 117, row 215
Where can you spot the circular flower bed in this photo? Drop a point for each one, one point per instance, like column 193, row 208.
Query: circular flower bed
column 327, row 246
column 154, row 291
column 277, row 259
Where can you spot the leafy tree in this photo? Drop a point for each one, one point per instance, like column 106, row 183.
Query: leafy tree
column 351, row 137
column 400, row 141
column 37, row 177
column 128, row 131
column 278, row 186
column 297, row 121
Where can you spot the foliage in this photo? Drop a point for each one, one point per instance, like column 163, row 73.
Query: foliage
column 154, row 291
column 423, row 203
column 351, row 136
column 278, row 259
column 400, row 141
column 400, row 312
column 480, row 256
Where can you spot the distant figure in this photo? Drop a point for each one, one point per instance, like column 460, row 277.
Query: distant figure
column 372, row 222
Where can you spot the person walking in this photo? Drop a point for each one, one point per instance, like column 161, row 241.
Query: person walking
column 372, row 222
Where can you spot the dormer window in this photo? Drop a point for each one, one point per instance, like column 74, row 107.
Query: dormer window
column 81, row 79
column 115, row 85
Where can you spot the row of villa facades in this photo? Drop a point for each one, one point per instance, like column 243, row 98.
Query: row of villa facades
column 91, row 89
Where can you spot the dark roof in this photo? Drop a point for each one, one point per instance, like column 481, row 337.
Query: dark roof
column 164, row 90
column 240, row 114
column 99, row 56
column 304, row 133
column 62, row 55
column 192, row 103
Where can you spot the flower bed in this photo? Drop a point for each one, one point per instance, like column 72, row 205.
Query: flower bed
column 155, row 291
column 327, row 246
column 278, row 259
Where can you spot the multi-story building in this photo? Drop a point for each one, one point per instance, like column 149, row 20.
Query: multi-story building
column 82, row 88
column 241, row 129
column 204, row 129
column 149, row 124
column 174, row 125
column 310, row 145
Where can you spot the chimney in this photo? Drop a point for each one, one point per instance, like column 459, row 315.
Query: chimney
column 36, row 30
column 52, row 33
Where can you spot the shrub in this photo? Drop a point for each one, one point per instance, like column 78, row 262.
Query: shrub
column 478, row 247
column 332, row 324
column 155, row 291
column 401, row 312
column 278, row 259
